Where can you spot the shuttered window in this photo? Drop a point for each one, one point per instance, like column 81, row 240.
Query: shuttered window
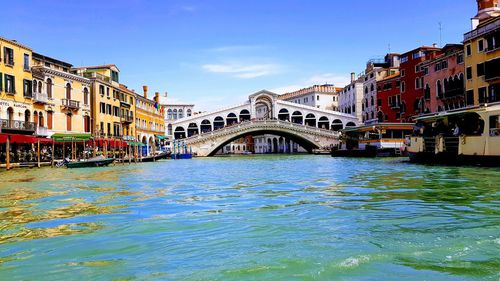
column 1, row 81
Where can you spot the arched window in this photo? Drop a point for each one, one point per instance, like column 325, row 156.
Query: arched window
column 85, row 96
column 68, row 122
column 68, row 91
column 366, row 89
column 372, row 87
column 372, row 101
column 49, row 88
column 181, row 114
column 175, row 114
column 40, row 119
column 49, row 120
column 189, row 112
column 86, row 123
column 35, row 85
column 439, row 89
column 169, row 114
column 35, row 118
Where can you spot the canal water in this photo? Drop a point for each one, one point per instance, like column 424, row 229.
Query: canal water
column 299, row 217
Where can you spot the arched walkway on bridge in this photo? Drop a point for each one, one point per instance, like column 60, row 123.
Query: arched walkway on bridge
column 350, row 124
column 337, row 125
column 231, row 119
column 179, row 133
column 244, row 115
column 218, row 123
column 324, row 123
column 192, row 130
column 205, row 126
column 297, row 117
column 310, row 120
column 284, row 114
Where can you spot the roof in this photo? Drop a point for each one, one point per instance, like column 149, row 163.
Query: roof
column 325, row 89
column 390, row 77
column 14, row 42
column 126, row 89
column 55, row 61
column 422, row 48
column 104, row 66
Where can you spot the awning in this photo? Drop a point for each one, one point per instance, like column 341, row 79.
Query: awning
column 70, row 137
column 15, row 138
column 160, row 137
column 135, row 143
column 108, row 142
column 44, row 140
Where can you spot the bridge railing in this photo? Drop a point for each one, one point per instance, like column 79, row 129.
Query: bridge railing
column 259, row 122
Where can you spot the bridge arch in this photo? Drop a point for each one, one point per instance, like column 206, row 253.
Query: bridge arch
column 179, row 133
column 324, row 123
column 205, row 126
column 244, row 115
column 284, row 115
column 297, row 117
column 350, row 124
column 303, row 141
column 310, row 120
column 219, row 123
column 231, row 119
column 192, row 129
column 337, row 125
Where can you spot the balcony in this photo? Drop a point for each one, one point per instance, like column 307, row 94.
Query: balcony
column 42, row 98
column 17, row 125
column 42, row 131
column 97, row 76
column 127, row 119
column 70, row 104
column 124, row 104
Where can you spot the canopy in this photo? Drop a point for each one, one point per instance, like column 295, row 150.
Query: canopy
column 135, row 143
column 160, row 137
column 70, row 137
column 15, row 138
column 108, row 142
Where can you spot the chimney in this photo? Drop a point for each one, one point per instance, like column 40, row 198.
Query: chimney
column 434, row 45
column 353, row 76
column 157, row 97
column 145, row 89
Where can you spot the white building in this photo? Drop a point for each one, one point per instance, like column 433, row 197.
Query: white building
column 319, row 96
column 174, row 112
column 351, row 97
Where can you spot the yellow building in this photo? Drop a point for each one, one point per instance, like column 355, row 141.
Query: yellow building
column 16, row 107
column 61, row 100
column 482, row 55
column 149, row 121
column 107, row 102
column 127, row 112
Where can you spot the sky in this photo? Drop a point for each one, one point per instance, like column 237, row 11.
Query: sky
column 215, row 53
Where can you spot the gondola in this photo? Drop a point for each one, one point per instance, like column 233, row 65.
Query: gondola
column 92, row 162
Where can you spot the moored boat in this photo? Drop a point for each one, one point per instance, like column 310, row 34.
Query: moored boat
column 467, row 136
column 377, row 140
column 98, row 161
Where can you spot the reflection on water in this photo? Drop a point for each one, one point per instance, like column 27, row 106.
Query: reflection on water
column 258, row 218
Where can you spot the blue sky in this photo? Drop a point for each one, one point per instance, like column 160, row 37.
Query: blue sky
column 216, row 52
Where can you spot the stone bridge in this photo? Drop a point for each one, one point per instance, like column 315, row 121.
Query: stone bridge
column 262, row 113
column 207, row 144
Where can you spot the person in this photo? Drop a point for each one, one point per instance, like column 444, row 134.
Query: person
column 456, row 131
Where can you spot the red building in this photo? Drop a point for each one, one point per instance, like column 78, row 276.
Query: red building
column 444, row 85
column 389, row 99
column 412, row 80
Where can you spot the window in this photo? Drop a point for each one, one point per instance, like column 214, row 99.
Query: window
column 417, row 68
column 317, row 97
column 469, row 97
column 116, row 111
column 444, row 64
column 460, row 58
column 403, row 73
column 86, row 124
column 404, row 59
column 114, row 76
column 480, row 45
column 468, row 50
column 107, row 92
column 68, row 122
column 403, row 86
column 379, row 102
column 10, row 84
column 68, row 91
column 418, row 55
column 102, row 108
column 372, row 87
column 101, row 90
column 85, row 96
column 468, row 73
column 49, row 119
column 417, row 83
column 480, row 69
column 482, row 95
column 26, row 62
column 109, row 129
column 426, row 70
column 108, row 109
column 439, row 89
column 8, row 56
column 27, row 88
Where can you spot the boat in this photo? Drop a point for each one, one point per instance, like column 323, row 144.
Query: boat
column 459, row 137
column 153, row 158
column 181, row 156
column 99, row 161
column 375, row 140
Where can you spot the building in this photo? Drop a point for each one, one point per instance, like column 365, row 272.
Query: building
column 61, row 100
column 389, row 97
column 412, row 78
column 351, row 98
column 174, row 112
column 16, row 92
column 444, row 86
column 482, row 55
column 319, row 96
column 149, row 121
column 127, row 112
column 375, row 71
column 105, row 105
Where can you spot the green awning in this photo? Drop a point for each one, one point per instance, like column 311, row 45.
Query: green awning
column 70, row 137
column 135, row 143
column 161, row 137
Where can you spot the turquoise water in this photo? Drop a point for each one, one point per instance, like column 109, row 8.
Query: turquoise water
column 251, row 218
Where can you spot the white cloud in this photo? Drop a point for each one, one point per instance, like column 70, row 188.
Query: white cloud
column 243, row 71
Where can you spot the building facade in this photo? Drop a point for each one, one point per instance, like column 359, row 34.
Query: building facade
column 482, row 55
column 61, row 100
column 444, row 85
column 127, row 112
column 389, row 97
column 149, row 121
column 319, row 96
column 412, row 78
column 351, row 98
column 16, row 88
column 174, row 112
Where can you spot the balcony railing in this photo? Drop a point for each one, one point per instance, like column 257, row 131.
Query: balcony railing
column 127, row 119
column 70, row 104
column 96, row 75
column 17, row 125
column 42, row 131
column 40, row 97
